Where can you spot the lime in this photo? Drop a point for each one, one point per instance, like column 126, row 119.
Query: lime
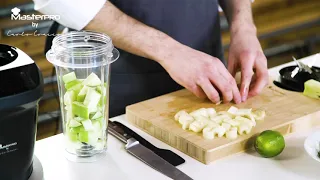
column 269, row 143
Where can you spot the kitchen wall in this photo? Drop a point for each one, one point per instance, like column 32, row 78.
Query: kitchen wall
column 285, row 28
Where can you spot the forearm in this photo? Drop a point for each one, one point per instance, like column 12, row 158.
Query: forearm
column 239, row 15
column 131, row 35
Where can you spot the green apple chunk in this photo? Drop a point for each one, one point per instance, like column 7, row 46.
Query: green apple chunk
column 69, row 77
column 73, row 136
column 82, row 93
column 96, row 126
column 69, row 97
column 312, row 89
column 76, row 88
column 100, row 120
column 92, row 99
column 87, row 124
column 80, row 110
column 84, row 137
column 74, row 123
column 92, row 80
column 69, row 115
column 102, row 89
column 89, row 137
column 79, row 119
column 99, row 89
column 102, row 101
column 97, row 115
column 77, row 129
column 69, row 85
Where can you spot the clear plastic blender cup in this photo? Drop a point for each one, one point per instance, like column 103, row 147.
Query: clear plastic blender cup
column 82, row 61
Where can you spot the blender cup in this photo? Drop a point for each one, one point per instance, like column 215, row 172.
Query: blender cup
column 82, row 61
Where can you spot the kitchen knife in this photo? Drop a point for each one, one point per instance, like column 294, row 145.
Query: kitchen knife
column 167, row 155
column 146, row 155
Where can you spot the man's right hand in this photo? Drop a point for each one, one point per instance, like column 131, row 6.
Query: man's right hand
column 202, row 74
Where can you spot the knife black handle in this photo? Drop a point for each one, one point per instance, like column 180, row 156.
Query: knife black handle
column 168, row 155
column 118, row 132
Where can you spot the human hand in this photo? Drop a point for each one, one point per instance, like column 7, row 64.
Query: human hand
column 202, row 74
column 246, row 55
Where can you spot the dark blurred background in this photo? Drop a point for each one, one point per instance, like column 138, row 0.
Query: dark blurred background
column 285, row 28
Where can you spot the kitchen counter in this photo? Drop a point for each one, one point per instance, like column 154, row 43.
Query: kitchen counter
column 293, row 163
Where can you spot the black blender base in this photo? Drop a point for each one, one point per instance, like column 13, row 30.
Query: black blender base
column 37, row 173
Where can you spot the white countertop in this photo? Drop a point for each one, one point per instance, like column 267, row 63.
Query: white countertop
column 292, row 164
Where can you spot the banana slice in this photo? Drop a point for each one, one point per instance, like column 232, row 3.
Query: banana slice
column 232, row 133
column 199, row 124
column 185, row 120
column 259, row 114
column 178, row 114
column 200, row 112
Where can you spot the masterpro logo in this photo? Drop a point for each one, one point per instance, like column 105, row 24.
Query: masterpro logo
column 7, row 146
column 31, row 17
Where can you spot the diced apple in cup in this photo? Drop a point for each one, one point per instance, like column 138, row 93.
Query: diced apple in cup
column 84, row 101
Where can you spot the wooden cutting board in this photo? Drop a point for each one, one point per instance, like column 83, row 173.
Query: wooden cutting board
column 286, row 111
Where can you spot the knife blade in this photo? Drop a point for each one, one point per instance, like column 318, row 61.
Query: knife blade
column 166, row 154
column 146, row 155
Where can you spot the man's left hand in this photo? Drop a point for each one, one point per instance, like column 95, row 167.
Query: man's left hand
column 246, row 55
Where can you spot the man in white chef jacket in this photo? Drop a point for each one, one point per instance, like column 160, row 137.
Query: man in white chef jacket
column 166, row 45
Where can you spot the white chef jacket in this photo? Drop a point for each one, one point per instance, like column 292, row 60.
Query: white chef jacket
column 75, row 14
